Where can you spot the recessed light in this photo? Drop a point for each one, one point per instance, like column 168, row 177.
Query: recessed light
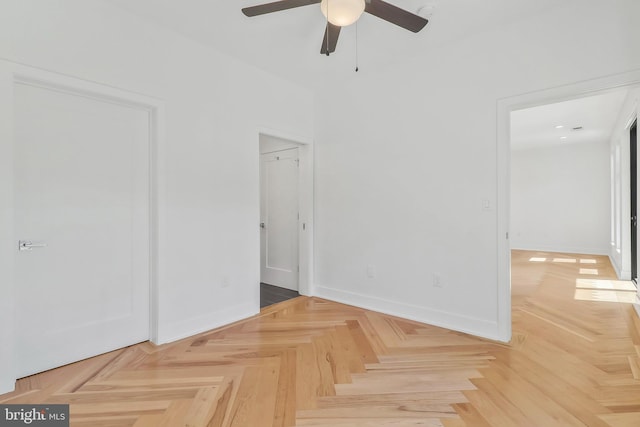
column 559, row 127
column 563, row 137
column 426, row 11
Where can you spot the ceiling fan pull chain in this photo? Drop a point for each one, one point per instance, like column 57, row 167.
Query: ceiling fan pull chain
column 356, row 46
column 327, row 30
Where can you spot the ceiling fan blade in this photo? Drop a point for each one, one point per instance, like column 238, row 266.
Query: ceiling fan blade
column 331, row 33
column 276, row 6
column 395, row 15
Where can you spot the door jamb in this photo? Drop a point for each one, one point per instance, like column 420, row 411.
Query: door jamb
column 12, row 73
column 633, row 191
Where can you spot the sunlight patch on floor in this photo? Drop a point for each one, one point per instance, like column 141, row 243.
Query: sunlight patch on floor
column 567, row 260
column 592, row 271
column 615, row 285
column 627, row 297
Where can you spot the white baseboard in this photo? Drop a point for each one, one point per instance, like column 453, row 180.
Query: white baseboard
column 523, row 246
column 7, row 386
column 470, row 325
column 620, row 272
column 196, row 325
column 616, row 267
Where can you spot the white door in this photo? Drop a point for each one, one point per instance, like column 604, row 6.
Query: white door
column 81, row 189
column 279, row 218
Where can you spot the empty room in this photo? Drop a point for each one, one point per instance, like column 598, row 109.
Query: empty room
column 319, row 213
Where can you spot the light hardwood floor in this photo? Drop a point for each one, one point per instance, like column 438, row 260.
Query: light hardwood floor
column 574, row 361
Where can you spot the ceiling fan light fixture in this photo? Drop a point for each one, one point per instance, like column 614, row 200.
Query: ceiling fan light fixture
column 342, row 12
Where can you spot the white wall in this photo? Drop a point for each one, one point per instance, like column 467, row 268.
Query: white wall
column 560, row 198
column 215, row 107
column 407, row 155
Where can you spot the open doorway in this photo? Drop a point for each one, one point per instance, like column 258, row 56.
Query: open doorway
column 283, row 219
column 560, row 173
column 619, row 251
column 561, row 193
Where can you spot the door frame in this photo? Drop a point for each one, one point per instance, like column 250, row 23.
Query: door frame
column 12, row 73
column 305, row 200
column 504, row 107
column 633, row 191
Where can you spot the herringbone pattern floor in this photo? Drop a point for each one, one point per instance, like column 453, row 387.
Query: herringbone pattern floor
column 574, row 361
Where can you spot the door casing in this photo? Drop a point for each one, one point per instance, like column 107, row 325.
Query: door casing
column 504, row 108
column 10, row 74
column 633, row 157
column 82, row 169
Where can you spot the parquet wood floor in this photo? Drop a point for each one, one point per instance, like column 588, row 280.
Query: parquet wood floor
column 574, row 361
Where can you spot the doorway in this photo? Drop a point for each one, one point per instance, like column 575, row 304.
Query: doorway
column 141, row 119
column 279, row 216
column 560, row 189
column 286, row 216
column 505, row 107
column 82, row 217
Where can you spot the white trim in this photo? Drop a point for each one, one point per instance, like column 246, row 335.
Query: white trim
column 12, row 73
column 306, row 198
column 633, row 117
column 563, row 249
column 625, row 274
column 453, row 321
column 503, row 207
column 616, row 267
column 504, row 108
column 158, row 241
column 289, row 136
column 7, row 250
column 625, row 206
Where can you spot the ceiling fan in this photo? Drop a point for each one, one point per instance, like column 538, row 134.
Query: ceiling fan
column 340, row 13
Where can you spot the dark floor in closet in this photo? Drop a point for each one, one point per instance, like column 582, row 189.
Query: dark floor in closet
column 270, row 294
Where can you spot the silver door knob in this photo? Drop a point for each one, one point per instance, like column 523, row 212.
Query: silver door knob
column 27, row 245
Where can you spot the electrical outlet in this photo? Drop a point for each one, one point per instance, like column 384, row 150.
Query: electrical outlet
column 225, row 282
column 437, row 280
column 371, row 271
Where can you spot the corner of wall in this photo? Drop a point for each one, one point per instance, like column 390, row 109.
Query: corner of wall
column 196, row 325
column 7, row 386
column 456, row 322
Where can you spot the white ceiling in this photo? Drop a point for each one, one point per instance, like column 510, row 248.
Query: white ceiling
column 536, row 127
column 287, row 43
